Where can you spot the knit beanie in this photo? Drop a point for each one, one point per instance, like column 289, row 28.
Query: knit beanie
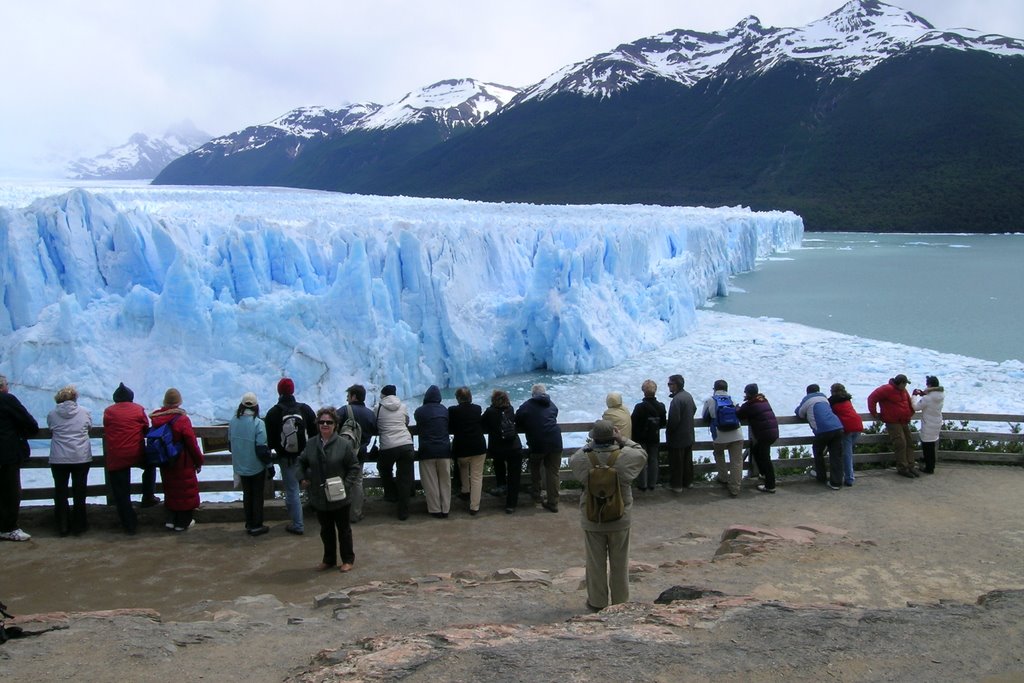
column 172, row 398
column 123, row 394
column 286, row 387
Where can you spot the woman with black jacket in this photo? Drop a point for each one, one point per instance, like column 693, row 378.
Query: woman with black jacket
column 504, row 446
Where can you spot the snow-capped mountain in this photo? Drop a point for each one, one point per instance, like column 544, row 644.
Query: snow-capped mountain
column 847, row 120
column 140, row 158
column 849, row 42
column 442, row 108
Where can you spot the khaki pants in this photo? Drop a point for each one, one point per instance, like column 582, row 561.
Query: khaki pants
column 471, row 473
column 902, row 444
column 435, row 475
column 734, row 474
column 607, row 567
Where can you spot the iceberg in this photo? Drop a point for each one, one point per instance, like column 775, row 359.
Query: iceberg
column 219, row 291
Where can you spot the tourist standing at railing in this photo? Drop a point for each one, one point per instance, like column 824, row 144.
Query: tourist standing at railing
column 70, row 457
column 469, row 448
column 124, row 445
column 504, row 446
column 725, row 437
column 16, row 425
column 327, row 456
column 828, row 435
column 537, row 417
column 929, row 402
column 435, row 453
column 842, row 405
column 247, row 433
column 679, row 434
column 617, row 414
column 762, row 430
column 367, row 419
column 181, row 483
column 395, row 450
column 301, row 427
column 891, row 404
column 648, row 418
column 606, row 542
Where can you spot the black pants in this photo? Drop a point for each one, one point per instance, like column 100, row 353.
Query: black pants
column 399, row 489
column 928, row 451
column 833, row 441
column 252, row 499
column 761, row 452
column 512, row 463
column 149, row 482
column 10, row 496
column 680, row 467
column 76, row 521
column 120, row 482
column 336, row 534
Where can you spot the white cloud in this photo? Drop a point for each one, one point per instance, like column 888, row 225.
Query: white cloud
column 86, row 75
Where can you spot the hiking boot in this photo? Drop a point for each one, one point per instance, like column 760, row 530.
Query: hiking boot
column 152, row 501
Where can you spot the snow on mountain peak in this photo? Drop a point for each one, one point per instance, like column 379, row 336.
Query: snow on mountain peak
column 455, row 102
column 848, row 42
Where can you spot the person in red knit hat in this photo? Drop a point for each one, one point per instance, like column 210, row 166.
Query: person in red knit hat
column 287, row 442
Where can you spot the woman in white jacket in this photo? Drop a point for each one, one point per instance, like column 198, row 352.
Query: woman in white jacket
column 70, row 456
column 929, row 402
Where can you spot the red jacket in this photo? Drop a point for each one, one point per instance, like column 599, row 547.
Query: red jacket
column 891, row 404
column 847, row 414
column 124, row 435
column 181, row 485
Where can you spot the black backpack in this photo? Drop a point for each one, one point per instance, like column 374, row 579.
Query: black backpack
column 507, row 424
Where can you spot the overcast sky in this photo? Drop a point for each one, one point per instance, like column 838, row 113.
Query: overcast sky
column 80, row 77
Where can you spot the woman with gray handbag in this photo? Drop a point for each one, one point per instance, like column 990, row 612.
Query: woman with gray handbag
column 328, row 467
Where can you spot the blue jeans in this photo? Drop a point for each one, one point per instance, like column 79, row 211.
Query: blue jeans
column 290, row 477
column 849, row 438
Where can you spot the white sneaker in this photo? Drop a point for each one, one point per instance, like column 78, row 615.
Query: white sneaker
column 16, row 535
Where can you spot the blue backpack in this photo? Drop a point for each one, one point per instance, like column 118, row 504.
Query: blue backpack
column 161, row 448
column 726, row 419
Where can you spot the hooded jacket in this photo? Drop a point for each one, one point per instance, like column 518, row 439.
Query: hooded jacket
column 432, row 427
column 930, row 406
column 181, row 485
column 618, row 415
column 842, row 406
column 69, row 426
column 245, row 432
column 759, row 416
column 538, row 419
column 392, row 423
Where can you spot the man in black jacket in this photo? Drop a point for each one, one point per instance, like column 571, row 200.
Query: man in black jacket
column 287, row 461
column 15, row 425
column 538, row 419
column 679, row 435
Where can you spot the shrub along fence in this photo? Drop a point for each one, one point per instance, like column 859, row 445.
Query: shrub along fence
column 1002, row 443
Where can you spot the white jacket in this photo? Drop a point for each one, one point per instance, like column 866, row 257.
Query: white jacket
column 930, row 406
column 69, row 424
column 392, row 423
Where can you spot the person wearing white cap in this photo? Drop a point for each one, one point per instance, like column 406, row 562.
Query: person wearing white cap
column 247, row 432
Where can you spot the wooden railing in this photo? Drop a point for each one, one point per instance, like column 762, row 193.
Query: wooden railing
column 214, row 443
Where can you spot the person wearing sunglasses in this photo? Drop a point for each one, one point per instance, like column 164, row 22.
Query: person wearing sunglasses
column 327, row 456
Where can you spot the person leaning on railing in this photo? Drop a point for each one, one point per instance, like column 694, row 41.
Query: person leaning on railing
column 16, row 424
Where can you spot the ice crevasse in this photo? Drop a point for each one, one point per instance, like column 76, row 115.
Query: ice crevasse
column 225, row 290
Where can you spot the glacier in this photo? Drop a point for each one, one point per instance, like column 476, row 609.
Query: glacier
column 219, row 291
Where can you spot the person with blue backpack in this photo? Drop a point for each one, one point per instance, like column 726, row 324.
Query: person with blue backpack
column 720, row 412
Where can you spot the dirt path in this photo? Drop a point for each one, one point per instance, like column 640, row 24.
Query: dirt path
column 947, row 537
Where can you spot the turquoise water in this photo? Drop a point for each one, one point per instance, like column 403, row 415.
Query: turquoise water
column 952, row 293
